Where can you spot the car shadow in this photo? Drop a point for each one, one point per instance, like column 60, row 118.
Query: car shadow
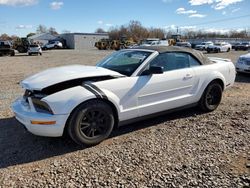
column 18, row 146
column 242, row 78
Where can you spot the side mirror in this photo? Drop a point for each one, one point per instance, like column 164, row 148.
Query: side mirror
column 153, row 70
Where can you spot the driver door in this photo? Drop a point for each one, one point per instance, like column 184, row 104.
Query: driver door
column 169, row 90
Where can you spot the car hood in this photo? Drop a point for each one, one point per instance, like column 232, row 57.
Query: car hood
column 247, row 56
column 61, row 74
column 214, row 46
column 200, row 45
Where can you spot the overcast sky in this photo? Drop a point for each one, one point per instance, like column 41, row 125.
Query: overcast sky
column 20, row 17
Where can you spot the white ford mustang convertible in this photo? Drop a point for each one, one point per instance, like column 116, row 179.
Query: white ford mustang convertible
column 87, row 102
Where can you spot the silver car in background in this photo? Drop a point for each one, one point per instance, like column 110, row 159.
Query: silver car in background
column 243, row 63
column 34, row 49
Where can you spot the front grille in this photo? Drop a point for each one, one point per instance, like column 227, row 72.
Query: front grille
column 248, row 62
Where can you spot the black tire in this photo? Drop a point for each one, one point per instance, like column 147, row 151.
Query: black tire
column 29, row 54
column 211, row 97
column 228, row 50
column 12, row 53
column 208, row 51
column 40, row 53
column 20, row 49
column 91, row 123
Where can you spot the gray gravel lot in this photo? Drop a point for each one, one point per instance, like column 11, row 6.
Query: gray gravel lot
column 181, row 149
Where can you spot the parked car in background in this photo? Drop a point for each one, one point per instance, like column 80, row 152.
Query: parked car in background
column 233, row 44
column 53, row 45
column 203, row 45
column 219, row 47
column 89, row 101
column 242, row 46
column 183, row 44
column 34, row 49
column 5, row 48
column 160, row 43
column 243, row 63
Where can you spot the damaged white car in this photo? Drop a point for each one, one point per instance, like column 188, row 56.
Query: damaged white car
column 89, row 101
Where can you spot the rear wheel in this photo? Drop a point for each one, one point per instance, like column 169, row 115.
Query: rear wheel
column 228, row 50
column 211, row 97
column 91, row 123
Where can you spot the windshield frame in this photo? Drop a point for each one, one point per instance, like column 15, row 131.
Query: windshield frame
column 133, row 73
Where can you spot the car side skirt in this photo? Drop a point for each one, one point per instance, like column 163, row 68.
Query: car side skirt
column 129, row 121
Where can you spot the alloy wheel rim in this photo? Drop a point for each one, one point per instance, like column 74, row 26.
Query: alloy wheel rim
column 94, row 124
column 213, row 97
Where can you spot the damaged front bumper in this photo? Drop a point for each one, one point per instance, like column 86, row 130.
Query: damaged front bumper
column 41, row 124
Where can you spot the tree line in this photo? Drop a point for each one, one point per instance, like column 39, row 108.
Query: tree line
column 136, row 31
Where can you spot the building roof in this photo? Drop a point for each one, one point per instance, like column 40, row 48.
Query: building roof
column 163, row 49
column 43, row 36
column 96, row 34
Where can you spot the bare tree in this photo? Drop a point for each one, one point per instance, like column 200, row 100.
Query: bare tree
column 52, row 31
column 41, row 29
column 100, row 30
column 5, row 36
column 156, row 33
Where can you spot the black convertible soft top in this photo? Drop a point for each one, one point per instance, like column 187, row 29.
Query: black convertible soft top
column 163, row 49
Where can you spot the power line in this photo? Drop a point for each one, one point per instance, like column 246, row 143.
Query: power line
column 221, row 20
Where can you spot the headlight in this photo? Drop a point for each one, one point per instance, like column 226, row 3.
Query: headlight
column 41, row 106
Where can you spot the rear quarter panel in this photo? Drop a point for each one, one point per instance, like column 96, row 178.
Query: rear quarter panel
column 205, row 74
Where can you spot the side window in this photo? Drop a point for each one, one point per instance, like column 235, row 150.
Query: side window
column 161, row 60
column 181, row 60
column 193, row 62
column 171, row 61
column 174, row 60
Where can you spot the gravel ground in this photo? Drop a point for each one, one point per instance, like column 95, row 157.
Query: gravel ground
column 182, row 149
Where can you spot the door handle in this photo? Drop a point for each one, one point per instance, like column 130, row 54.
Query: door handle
column 188, row 76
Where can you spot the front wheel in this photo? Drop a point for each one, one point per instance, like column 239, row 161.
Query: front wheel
column 211, row 97
column 91, row 123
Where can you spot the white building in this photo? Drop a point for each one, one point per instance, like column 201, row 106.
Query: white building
column 82, row 40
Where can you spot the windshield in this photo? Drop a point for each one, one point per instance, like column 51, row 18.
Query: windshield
column 33, row 45
column 124, row 62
